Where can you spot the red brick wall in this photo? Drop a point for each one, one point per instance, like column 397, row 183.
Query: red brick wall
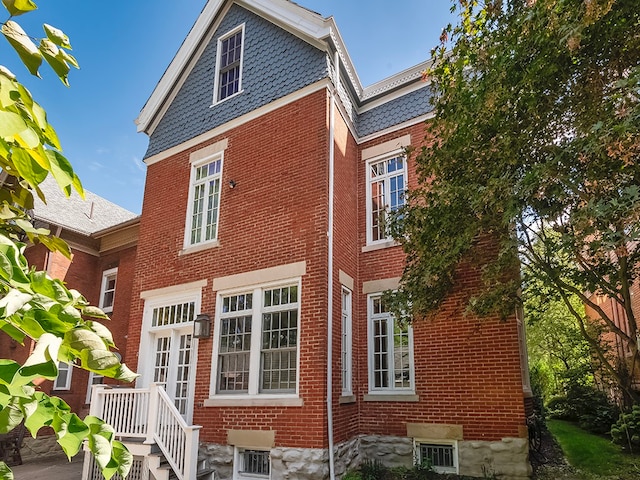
column 467, row 370
column 83, row 273
column 275, row 215
column 347, row 218
column 616, row 313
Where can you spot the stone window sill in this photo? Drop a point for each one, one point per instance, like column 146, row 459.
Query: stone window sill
column 412, row 398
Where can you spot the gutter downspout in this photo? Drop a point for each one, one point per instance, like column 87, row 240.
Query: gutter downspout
column 332, row 120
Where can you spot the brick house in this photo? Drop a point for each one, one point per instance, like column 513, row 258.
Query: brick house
column 619, row 350
column 270, row 170
column 103, row 238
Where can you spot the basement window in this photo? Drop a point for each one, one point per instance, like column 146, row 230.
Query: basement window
column 252, row 464
column 442, row 456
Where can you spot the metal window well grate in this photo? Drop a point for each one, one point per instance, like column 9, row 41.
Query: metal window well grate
column 255, row 462
column 437, row 455
column 136, row 472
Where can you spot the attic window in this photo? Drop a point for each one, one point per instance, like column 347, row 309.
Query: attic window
column 229, row 64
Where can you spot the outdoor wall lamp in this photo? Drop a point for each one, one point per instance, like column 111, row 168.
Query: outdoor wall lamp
column 202, row 326
column 232, row 184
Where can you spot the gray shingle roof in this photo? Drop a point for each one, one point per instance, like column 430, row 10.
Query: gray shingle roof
column 276, row 63
column 395, row 112
column 83, row 216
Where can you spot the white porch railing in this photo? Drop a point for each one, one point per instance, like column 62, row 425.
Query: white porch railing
column 149, row 414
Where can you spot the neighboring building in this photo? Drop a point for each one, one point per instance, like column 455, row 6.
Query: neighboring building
column 270, row 172
column 623, row 358
column 102, row 237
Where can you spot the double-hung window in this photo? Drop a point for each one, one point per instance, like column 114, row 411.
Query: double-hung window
column 108, row 289
column 390, row 351
column 257, row 341
column 386, row 186
column 63, row 380
column 229, row 64
column 346, row 343
column 204, row 202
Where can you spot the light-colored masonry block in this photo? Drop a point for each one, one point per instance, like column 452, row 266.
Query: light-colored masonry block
column 508, row 459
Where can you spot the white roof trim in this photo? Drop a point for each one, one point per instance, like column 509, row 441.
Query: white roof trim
column 311, row 27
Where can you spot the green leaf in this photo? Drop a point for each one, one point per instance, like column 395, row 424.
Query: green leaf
column 10, row 417
column 27, row 168
column 56, row 60
column 5, row 472
column 11, row 125
column 56, row 244
column 12, row 331
column 57, row 36
column 13, row 301
column 18, row 7
column 8, row 370
column 22, row 44
column 95, row 312
column 103, row 332
column 123, row 458
column 63, row 172
column 81, row 339
column 71, row 432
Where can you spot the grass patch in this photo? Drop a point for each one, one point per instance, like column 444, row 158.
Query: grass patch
column 593, row 454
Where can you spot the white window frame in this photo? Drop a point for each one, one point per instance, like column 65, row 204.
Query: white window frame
column 63, row 366
column 238, row 461
column 163, row 297
column 346, row 346
column 418, row 442
column 390, row 389
column 255, row 367
column 387, row 180
column 106, row 275
column 90, row 383
column 216, row 83
column 206, row 183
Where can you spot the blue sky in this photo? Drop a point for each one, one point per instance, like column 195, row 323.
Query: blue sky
column 124, row 47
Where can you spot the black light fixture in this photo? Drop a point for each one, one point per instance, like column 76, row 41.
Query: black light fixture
column 232, row 184
column 202, row 326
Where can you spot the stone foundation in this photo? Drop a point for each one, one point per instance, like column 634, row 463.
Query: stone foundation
column 507, row 459
column 34, row 449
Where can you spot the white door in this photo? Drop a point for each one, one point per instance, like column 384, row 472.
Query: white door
column 172, row 352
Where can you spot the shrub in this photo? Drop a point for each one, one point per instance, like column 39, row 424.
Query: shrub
column 585, row 405
column 626, row 431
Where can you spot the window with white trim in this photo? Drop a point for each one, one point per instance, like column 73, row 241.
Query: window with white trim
column 63, row 380
column 386, row 186
column 204, row 201
column 108, row 289
column 228, row 80
column 346, row 344
column 390, row 350
column 251, row 464
column 94, row 379
column 256, row 337
column 442, row 456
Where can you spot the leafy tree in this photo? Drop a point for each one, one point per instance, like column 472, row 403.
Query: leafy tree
column 32, row 305
column 535, row 142
column 556, row 347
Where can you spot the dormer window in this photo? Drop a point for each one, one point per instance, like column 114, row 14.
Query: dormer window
column 229, row 64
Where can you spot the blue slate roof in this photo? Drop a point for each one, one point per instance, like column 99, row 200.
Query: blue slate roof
column 394, row 112
column 276, row 63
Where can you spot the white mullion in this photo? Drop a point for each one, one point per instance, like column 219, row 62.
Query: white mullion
column 256, row 343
